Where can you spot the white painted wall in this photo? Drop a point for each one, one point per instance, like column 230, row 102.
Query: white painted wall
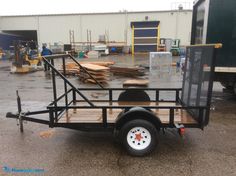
column 19, row 23
column 55, row 28
column 114, row 23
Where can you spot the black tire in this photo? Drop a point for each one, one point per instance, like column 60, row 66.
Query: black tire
column 136, row 124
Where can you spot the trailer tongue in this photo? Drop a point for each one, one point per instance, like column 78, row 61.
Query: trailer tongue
column 138, row 119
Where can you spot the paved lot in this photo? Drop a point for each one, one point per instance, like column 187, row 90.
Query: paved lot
column 67, row 152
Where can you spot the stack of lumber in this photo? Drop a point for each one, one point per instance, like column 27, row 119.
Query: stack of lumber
column 71, row 68
column 100, row 73
column 101, row 63
column 136, row 83
column 127, row 71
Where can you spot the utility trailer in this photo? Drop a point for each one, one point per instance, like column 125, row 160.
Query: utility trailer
column 134, row 116
column 214, row 21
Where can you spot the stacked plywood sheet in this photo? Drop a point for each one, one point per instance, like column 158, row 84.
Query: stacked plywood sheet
column 127, row 71
column 100, row 73
column 136, row 83
column 101, row 63
column 71, row 68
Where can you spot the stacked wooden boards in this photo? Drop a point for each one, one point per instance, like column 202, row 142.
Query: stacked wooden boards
column 100, row 73
column 101, row 63
column 136, row 83
column 71, row 69
column 127, row 71
column 99, row 70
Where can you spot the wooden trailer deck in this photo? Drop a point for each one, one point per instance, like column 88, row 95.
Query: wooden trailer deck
column 95, row 115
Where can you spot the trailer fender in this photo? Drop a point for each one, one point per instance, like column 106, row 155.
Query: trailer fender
column 137, row 113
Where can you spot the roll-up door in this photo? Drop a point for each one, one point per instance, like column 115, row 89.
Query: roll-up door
column 145, row 36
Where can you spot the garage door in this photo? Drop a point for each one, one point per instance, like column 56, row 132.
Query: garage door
column 145, row 36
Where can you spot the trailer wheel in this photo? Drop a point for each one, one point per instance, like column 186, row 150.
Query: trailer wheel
column 139, row 137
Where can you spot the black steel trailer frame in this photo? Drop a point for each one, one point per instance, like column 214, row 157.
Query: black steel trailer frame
column 55, row 111
column 195, row 97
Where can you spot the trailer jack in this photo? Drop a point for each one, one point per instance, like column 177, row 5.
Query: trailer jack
column 19, row 116
column 20, row 120
column 20, row 123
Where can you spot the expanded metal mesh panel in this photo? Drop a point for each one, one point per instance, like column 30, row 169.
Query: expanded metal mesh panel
column 197, row 81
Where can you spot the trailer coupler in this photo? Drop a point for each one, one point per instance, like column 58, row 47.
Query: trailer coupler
column 20, row 116
column 11, row 115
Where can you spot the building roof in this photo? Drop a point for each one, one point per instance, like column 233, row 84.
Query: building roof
column 100, row 13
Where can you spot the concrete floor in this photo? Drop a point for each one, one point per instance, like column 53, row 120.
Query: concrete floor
column 67, row 152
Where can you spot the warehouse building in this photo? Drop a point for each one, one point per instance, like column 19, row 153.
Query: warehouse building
column 116, row 27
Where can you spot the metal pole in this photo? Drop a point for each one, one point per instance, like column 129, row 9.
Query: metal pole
column 158, row 36
column 157, row 95
column 172, row 116
column 90, row 40
column 65, row 85
column 104, row 116
column 110, row 95
column 132, row 40
column 18, row 102
column 177, row 96
column 51, row 118
column 54, row 87
column 19, row 111
column 74, row 97
column 200, row 118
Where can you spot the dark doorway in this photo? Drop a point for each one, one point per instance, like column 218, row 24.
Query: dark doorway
column 25, row 34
